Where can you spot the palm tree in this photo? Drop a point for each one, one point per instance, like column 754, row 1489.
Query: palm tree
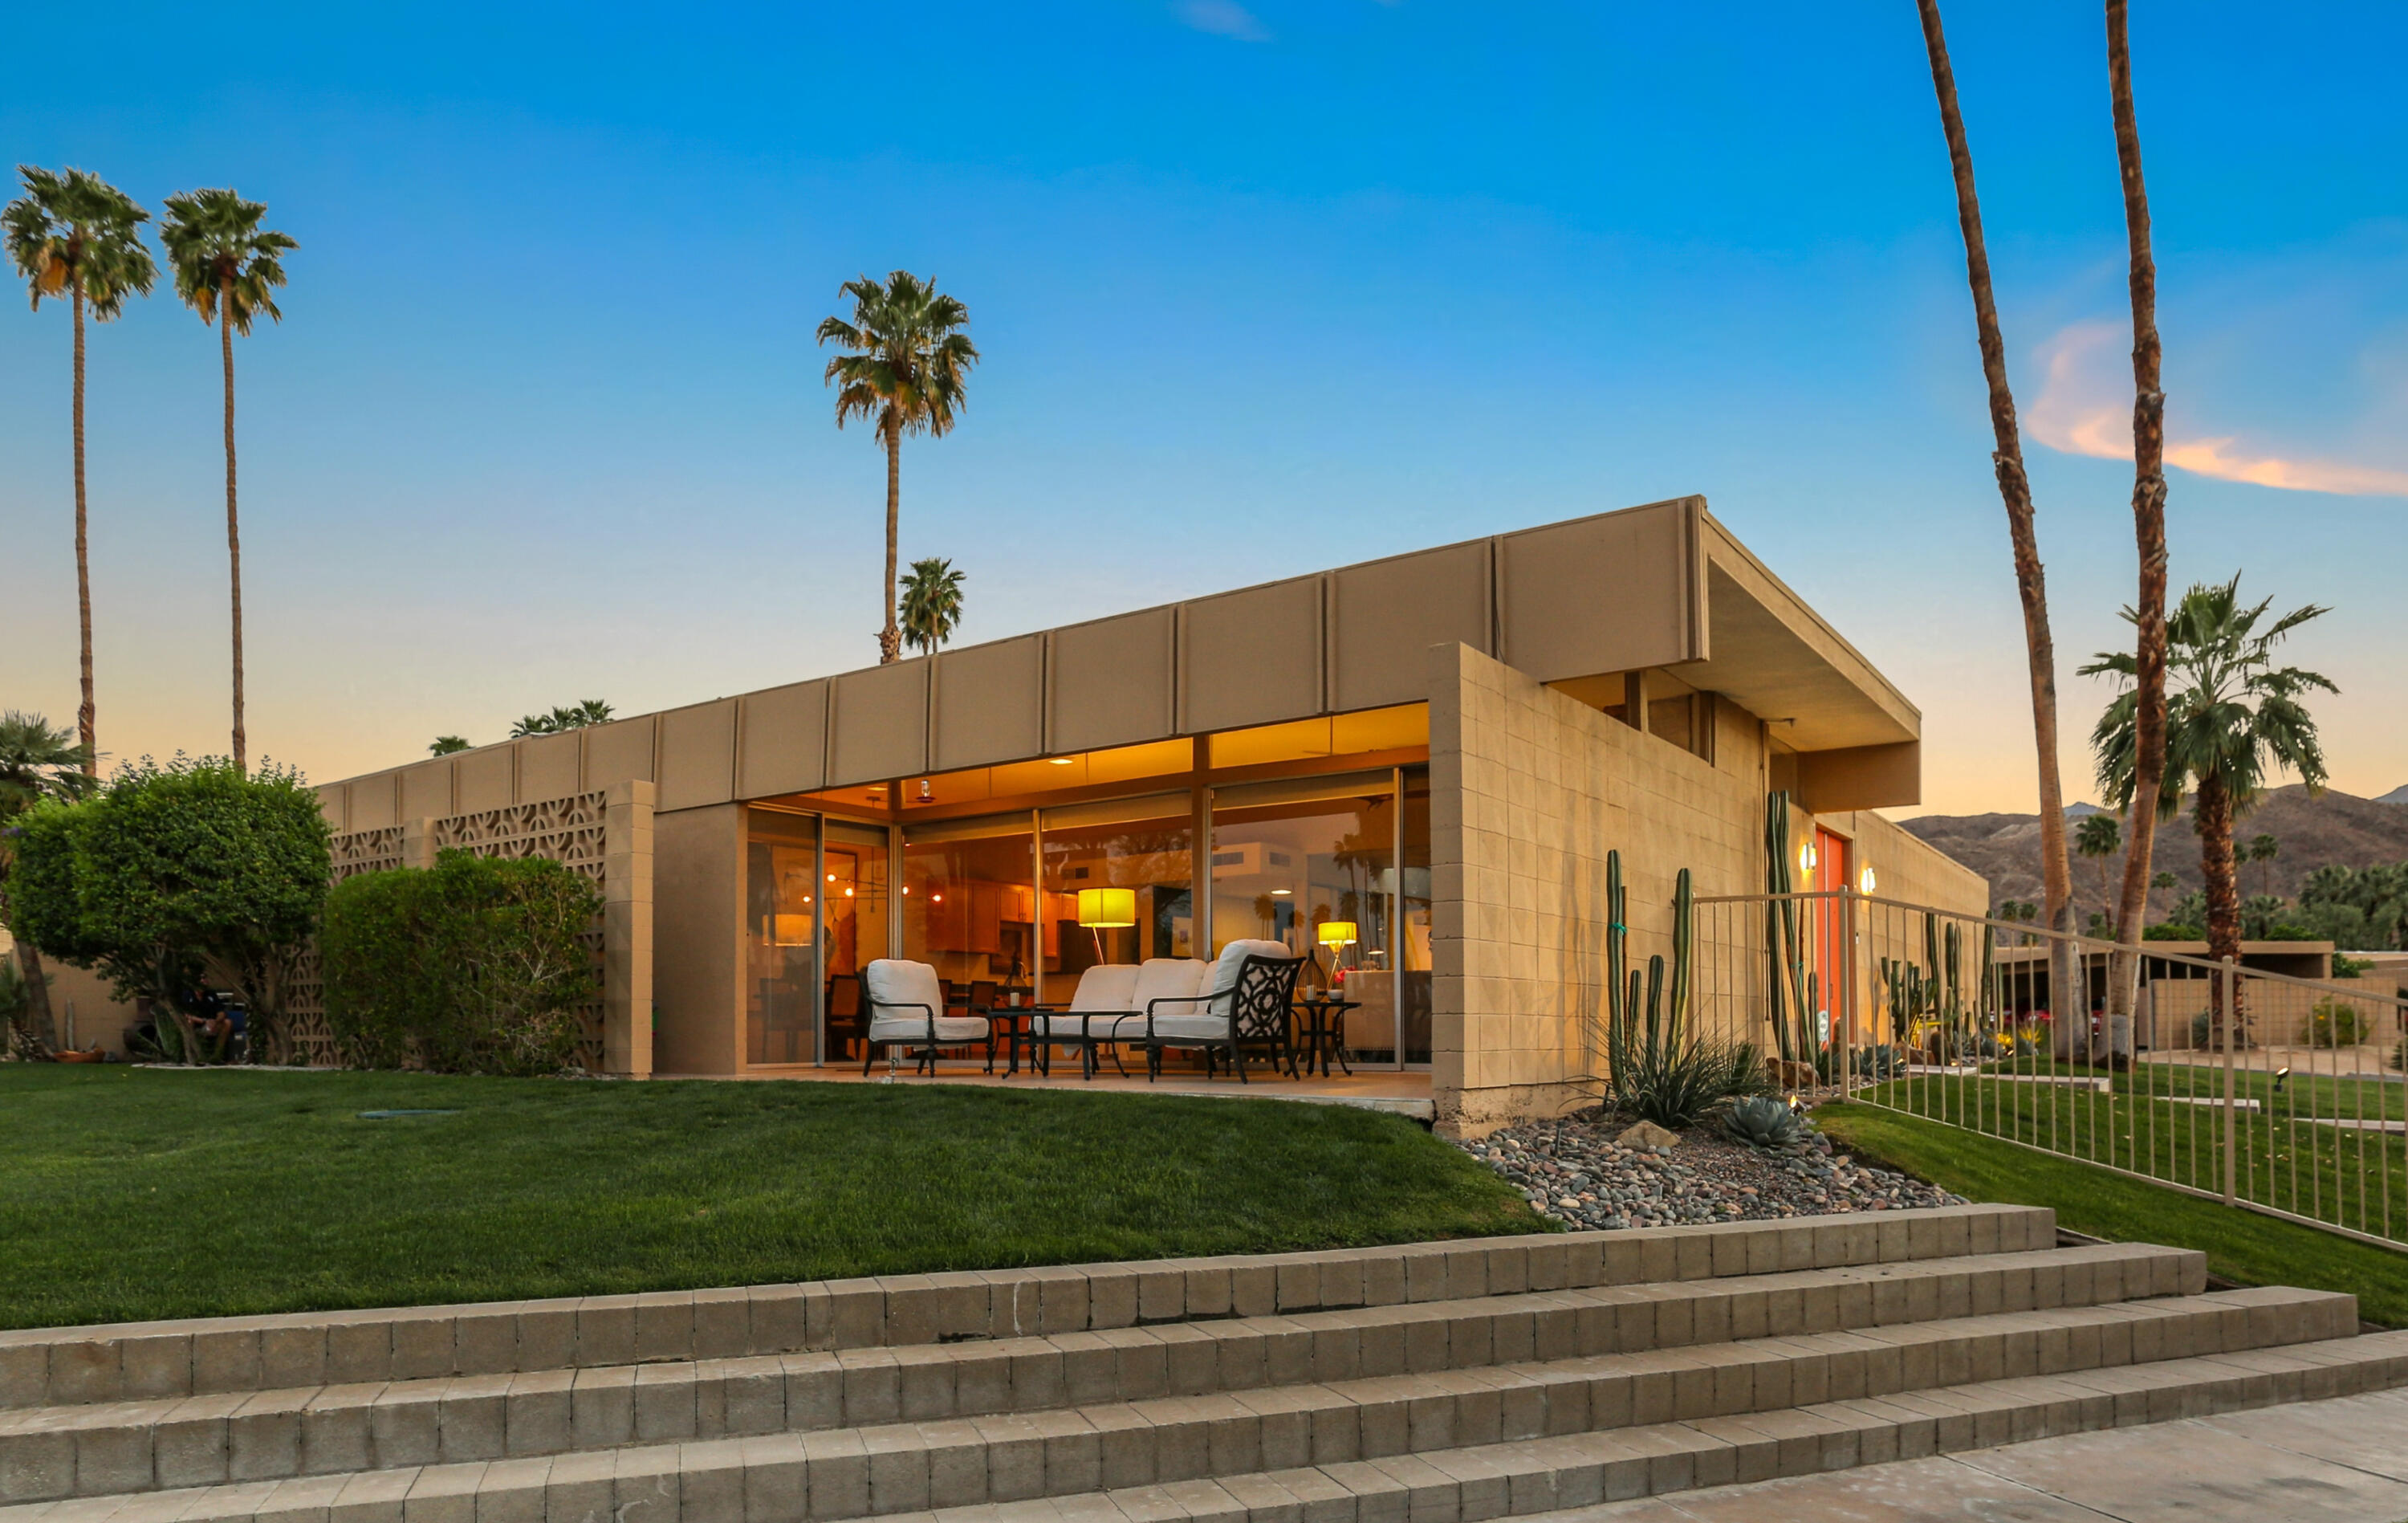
column 2015, row 491
column 932, row 603
column 2233, row 719
column 226, row 267
column 2157, row 882
column 2262, row 849
column 37, row 762
column 2099, row 837
column 575, row 716
column 446, row 745
column 905, row 372
column 2148, row 518
column 74, row 234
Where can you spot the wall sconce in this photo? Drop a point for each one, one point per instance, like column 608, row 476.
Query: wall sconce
column 1806, row 857
column 1865, row 880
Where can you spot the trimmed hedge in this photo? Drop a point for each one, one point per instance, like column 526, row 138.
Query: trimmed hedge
column 475, row 965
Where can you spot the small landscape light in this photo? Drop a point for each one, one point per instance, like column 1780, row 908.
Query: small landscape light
column 2280, row 1074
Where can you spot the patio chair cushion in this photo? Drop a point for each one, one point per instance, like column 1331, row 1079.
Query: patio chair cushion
column 1108, row 987
column 1168, row 978
column 1233, row 957
column 1192, row 1027
column 897, row 987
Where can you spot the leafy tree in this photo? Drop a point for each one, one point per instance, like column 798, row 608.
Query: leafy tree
column 2014, row 492
column 908, row 360
column 227, row 268
column 190, row 862
column 573, row 717
column 71, row 233
column 932, row 604
column 2233, row 719
column 2358, row 907
column 37, row 763
column 2099, row 837
column 478, row 966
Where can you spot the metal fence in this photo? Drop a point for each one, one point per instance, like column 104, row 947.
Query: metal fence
column 2268, row 1090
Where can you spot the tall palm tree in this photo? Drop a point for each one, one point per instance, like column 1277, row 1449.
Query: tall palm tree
column 932, row 603
column 908, row 358
column 2233, row 719
column 37, row 762
column 2262, row 849
column 73, row 234
column 2099, row 837
column 2015, row 491
column 2148, row 519
column 226, row 267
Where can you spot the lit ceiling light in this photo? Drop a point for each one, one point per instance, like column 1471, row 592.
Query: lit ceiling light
column 936, row 899
column 1282, row 893
column 1061, row 761
column 847, row 892
column 831, row 877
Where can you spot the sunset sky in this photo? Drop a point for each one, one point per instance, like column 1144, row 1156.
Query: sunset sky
column 1262, row 288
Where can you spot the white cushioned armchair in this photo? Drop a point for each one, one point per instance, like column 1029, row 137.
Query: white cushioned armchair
column 906, row 1008
column 1240, row 1001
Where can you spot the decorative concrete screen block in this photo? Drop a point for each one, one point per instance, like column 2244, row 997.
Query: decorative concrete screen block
column 1529, row 789
column 1108, row 683
column 1252, row 657
column 784, row 744
column 698, row 755
column 1385, row 615
column 604, row 835
column 989, row 704
column 1611, row 593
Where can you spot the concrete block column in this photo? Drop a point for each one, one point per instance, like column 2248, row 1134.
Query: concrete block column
column 627, row 929
column 418, row 843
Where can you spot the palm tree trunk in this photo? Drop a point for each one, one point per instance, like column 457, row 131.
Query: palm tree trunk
column 2148, row 519
column 234, row 528
column 2015, row 491
column 38, row 994
column 2212, row 813
column 889, row 640
column 87, row 713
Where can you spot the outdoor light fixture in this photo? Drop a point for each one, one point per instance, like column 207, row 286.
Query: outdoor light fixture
column 1061, row 761
column 2280, row 1074
column 1806, row 857
column 925, row 797
column 1865, row 880
column 1282, row 893
column 1106, row 909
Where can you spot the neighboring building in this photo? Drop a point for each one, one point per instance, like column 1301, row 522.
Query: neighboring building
column 1438, row 749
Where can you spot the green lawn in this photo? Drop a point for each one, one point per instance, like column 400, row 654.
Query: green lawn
column 2241, row 1246
column 2357, row 1179
column 137, row 1194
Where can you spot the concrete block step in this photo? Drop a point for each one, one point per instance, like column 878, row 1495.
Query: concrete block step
column 330, row 1430
column 907, row 1466
column 139, row 1362
column 788, row 1479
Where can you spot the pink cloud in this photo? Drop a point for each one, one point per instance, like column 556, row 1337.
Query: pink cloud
column 2085, row 407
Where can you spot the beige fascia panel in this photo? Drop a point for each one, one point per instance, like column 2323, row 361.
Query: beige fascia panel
column 426, row 790
column 1385, row 614
column 1109, row 682
column 1251, row 657
column 619, row 751
column 481, row 779
column 374, row 804
column 783, row 741
column 1610, row 593
column 987, row 704
column 1860, row 778
column 697, row 749
column 877, row 723
column 549, row 767
column 335, row 802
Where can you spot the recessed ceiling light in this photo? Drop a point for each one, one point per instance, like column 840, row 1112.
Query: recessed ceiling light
column 1282, row 893
column 1061, row 761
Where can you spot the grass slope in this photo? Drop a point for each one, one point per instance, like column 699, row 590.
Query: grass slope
column 131, row 1195
column 2240, row 1245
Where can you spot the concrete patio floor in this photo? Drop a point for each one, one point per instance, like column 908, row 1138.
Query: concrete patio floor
column 1404, row 1094
column 2338, row 1461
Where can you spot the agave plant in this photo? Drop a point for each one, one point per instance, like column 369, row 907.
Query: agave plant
column 1657, row 1068
column 1761, row 1121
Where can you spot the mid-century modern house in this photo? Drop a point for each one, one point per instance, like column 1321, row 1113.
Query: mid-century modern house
column 1411, row 768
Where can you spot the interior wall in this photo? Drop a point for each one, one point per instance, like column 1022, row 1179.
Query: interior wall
column 1530, row 790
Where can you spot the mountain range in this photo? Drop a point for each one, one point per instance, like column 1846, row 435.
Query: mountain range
column 2309, row 831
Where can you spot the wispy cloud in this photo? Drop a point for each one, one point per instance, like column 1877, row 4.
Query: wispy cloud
column 1222, row 18
column 2085, row 408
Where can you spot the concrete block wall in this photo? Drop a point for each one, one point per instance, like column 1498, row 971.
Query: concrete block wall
column 1530, row 790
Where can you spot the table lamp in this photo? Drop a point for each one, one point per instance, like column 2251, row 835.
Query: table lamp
column 1337, row 935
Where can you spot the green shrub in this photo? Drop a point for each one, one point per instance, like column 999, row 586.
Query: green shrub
column 1760, row 1121
column 193, row 865
column 2336, row 1023
column 1676, row 1086
column 476, row 966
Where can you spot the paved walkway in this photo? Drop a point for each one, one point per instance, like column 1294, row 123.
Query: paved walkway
column 2341, row 1461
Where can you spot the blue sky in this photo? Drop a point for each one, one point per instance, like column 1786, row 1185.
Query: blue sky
column 1261, row 288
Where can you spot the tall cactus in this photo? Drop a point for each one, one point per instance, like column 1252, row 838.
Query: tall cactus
column 1788, row 974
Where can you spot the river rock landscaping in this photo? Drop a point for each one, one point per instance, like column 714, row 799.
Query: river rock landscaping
column 1571, row 1169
